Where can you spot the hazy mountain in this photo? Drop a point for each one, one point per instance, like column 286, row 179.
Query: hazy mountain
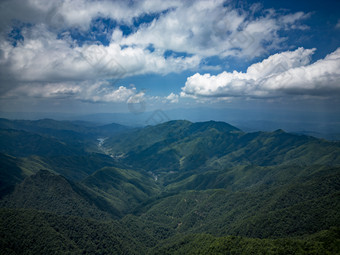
column 183, row 146
column 79, row 134
column 49, row 126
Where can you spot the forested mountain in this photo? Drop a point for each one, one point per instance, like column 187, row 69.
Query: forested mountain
column 49, row 192
column 174, row 188
column 124, row 189
column 183, row 146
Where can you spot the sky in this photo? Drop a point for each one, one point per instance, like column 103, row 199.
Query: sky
column 256, row 60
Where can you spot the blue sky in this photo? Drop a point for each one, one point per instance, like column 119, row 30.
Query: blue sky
column 86, row 56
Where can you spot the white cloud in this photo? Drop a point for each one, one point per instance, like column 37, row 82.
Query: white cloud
column 43, row 57
column 172, row 98
column 290, row 20
column 60, row 14
column 53, row 63
column 337, row 26
column 136, row 98
column 202, row 28
column 48, row 90
column 208, row 28
column 286, row 73
column 103, row 92
column 84, row 91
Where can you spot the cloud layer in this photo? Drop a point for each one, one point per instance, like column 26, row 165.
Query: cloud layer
column 286, row 73
column 97, row 92
column 51, row 49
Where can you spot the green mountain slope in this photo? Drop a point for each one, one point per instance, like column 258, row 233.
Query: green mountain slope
column 36, row 232
column 123, row 189
column 49, row 192
column 242, row 177
column 10, row 174
column 74, row 168
column 184, row 146
column 308, row 204
column 325, row 242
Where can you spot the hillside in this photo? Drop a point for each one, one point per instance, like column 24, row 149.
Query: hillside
column 123, row 189
column 208, row 244
column 10, row 174
column 181, row 146
column 261, row 212
column 53, row 193
column 48, row 233
column 37, row 232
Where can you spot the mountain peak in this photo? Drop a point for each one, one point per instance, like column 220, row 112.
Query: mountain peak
column 279, row 131
column 177, row 122
column 219, row 125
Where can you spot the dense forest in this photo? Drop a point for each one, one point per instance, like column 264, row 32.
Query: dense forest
column 71, row 187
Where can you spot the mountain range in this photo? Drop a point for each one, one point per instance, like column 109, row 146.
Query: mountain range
column 174, row 188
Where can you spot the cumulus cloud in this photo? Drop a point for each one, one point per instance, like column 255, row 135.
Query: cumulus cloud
column 61, row 14
column 44, row 56
column 209, row 28
column 172, row 98
column 200, row 28
column 286, row 73
column 85, row 91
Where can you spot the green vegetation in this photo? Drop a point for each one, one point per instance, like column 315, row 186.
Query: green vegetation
column 22, row 144
column 325, row 242
column 49, row 192
column 175, row 188
column 10, row 174
column 183, row 146
column 123, row 189
column 36, row 232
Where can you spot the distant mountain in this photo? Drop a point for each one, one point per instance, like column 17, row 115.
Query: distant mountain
column 184, row 146
column 79, row 134
column 23, row 143
column 56, row 128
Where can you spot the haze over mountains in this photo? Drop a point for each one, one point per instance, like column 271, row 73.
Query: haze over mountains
column 174, row 188
column 318, row 124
